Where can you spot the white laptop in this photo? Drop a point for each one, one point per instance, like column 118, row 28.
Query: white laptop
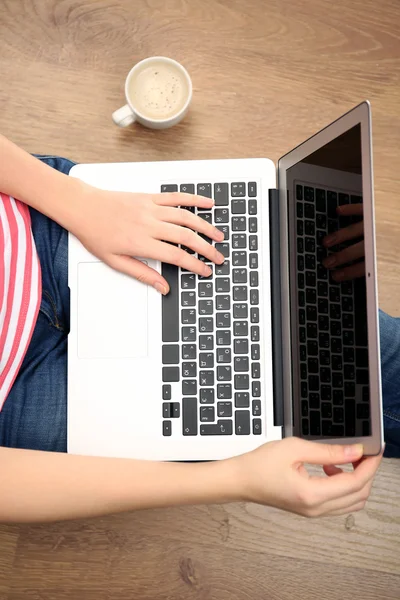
column 269, row 346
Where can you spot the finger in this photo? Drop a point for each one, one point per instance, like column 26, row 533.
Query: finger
column 355, row 230
column 353, row 252
column 357, row 270
column 332, row 470
column 345, row 503
column 347, row 210
column 176, row 256
column 346, row 510
column 325, row 454
column 180, row 216
column 179, row 199
column 140, row 271
column 190, row 239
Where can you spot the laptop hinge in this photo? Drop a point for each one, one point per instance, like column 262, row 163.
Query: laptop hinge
column 277, row 362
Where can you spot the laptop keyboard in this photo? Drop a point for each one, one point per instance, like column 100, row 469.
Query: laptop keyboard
column 332, row 319
column 211, row 334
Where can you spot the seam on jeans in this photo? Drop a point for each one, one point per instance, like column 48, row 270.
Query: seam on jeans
column 391, row 415
column 55, row 322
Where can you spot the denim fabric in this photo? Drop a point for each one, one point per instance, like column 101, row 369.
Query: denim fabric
column 35, row 413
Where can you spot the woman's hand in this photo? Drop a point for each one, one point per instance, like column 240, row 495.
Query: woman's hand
column 118, row 226
column 274, row 474
column 353, row 252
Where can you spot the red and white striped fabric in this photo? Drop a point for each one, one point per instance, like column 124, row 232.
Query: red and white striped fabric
column 20, row 289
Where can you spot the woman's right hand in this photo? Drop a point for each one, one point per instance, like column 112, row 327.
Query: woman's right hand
column 274, row 474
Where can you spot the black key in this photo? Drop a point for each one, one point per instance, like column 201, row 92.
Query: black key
column 347, row 303
column 206, row 289
column 255, row 370
column 366, row 429
column 337, row 363
column 253, row 243
column 221, row 428
column 309, row 211
column 256, row 389
column 349, row 389
column 254, row 296
column 323, row 340
column 206, row 378
column 170, row 355
column 309, row 244
column 335, row 311
column 322, row 288
column 313, row 366
column 241, row 364
column 336, row 345
column 239, row 259
column 350, row 416
column 305, row 429
column 207, row 414
column 337, row 380
column 326, row 392
column 312, row 348
column 223, row 338
column 363, row 411
column 343, row 199
column 238, row 189
column 348, row 355
column 253, row 225
column 356, row 199
column 325, row 357
column 170, row 374
column 347, row 321
column 206, row 324
column 238, row 223
column 349, row 372
column 252, row 189
column 242, row 422
column 300, row 245
column 221, row 215
column 167, row 429
column 302, row 334
column 347, row 289
column 308, row 193
column 238, row 207
column 189, row 387
column 304, row 408
column 206, row 216
column 222, row 269
column 313, row 400
column 309, row 227
column 334, row 294
column 256, row 408
column 206, row 360
column 300, row 227
column 315, row 423
column 326, row 410
column 242, row 382
column 321, row 254
column 221, row 194
column 189, row 369
column 188, row 334
column 365, row 394
column 206, row 342
column 311, row 312
column 188, row 316
column 223, row 302
column 323, row 306
column 240, row 293
column 225, row 230
column 299, row 210
column 304, row 389
column 189, row 414
column 223, row 320
column 224, row 373
column 239, row 240
column 303, row 371
column 257, row 427
column 325, row 374
column 188, row 281
column 206, row 307
column 338, row 397
column 187, row 188
column 361, row 329
column 300, row 262
column 223, row 249
column 239, row 276
column 241, row 346
column 224, row 355
column 255, row 352
column 348, row 338
column 338, row 414
column 327, row 428
column 240, row 311
column 320, row 222
column 224, row 391
column 242, row 399
column 312, row 330
column 170, row 305
column 320, row 201
column 188, row 299
column 204, row 189
column 299, row 192
column 224, row 409
column 252, row 207
column 300, row 281
column 255, row 333
column 336, row 328
column 311, row 279
column 240, row 328
column 322, row 272
column 166, row 392
column 253, row 262
column 323, row 323
column 169, row 188
column 207, row 396
column 362, row 376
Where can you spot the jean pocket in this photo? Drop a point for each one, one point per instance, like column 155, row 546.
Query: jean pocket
column 48, row 308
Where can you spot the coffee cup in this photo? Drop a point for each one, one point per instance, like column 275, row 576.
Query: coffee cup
column 158, row 93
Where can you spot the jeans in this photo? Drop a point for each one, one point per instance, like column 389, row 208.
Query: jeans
column 35, row 413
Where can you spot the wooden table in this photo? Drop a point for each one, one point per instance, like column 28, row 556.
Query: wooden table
column 266, row 74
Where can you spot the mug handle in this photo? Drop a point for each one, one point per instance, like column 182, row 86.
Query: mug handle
column 123, row 116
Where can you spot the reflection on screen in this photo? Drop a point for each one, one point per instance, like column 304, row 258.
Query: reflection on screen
column 328, row 292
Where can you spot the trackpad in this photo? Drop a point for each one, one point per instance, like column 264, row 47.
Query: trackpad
column 112, row 313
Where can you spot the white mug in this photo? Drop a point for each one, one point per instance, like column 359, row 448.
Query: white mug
column 128, row 114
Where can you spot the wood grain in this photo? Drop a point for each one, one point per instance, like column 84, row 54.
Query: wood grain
column 266, row 74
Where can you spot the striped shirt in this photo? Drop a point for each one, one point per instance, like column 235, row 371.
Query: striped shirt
column 20, row 289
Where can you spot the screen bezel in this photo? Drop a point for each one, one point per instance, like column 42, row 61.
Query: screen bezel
column 361, row 114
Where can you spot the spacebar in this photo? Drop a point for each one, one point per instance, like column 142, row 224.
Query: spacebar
column 170, row 305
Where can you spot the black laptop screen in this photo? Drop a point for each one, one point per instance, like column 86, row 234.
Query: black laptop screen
column 328, row 291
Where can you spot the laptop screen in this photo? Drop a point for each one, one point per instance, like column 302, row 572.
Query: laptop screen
column 328, row 291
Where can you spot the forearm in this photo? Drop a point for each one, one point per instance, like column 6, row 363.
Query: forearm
column 44, row 486
column 35, row 183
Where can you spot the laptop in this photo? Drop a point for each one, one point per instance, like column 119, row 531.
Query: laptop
column 268, row 346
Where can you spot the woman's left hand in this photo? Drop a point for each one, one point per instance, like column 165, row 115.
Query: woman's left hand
column 354, row 252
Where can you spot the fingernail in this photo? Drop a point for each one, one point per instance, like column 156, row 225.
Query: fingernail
column 160, row 288
column 354, row 451
column 330, row 261
column 330, row 240
column 207, row 270
column 221, row 257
